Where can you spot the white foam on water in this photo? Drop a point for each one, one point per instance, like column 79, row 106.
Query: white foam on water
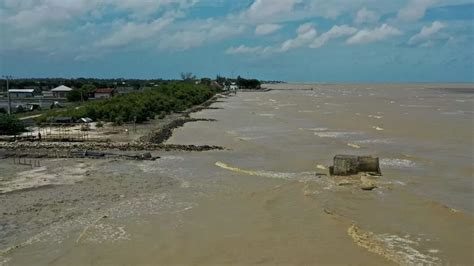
column 406, row 249
column 397, row 163
column 355, row 146
column 232, row 132
column 4, row 261
column 269, row 174
column 171, row 158
column 335, row 134
column 40, row 176
column 102, row 232
column 378, row 128
column 317, row 129
column 287, row 105
column 321, row 167
column 401, row 183
column 416, row 105
column 458, row 112
column 267, row 115
column 375, row 116
column 373, row 141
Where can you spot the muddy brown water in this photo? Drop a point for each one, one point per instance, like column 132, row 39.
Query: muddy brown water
column 260, row 202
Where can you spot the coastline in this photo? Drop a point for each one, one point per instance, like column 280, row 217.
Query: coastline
column 257, row 190
column 151, row 141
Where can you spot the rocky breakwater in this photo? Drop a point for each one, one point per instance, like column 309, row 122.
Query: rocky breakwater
column 98, row 146
column 162, row 134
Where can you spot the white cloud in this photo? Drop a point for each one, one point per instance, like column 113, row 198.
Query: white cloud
column 415, row 10
column 266, row 10
column 41, row 13
column 378, row 34
column 334, row 32
column 242, row 49
column 306, row 34
column 426, row 32
column 365, row 15
column 134, row 31
column 198, row 33
column 265, row 29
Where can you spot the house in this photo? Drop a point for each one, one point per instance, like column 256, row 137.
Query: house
column 104, row 93
column 61, row 92
column 48, row 94
column 22, row 93
column 233, row 87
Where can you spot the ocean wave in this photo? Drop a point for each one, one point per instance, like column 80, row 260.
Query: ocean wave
column 268, row 174
column 375, row 116
column 397, row 163
column 267, row 115
column 405, row 248
column 318, row 129
column 335, row 134
column 373, row 141
column 400, row 250
column 378, row 128
column 458, row 112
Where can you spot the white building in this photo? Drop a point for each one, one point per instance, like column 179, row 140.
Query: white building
column 233, row 86
column 61, row 91
column 22, row 93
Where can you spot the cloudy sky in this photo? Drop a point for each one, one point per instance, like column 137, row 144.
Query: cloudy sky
column 292, row 40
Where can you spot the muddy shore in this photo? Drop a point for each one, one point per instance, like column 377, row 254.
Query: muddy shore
column 68, row 188
column 65, row 191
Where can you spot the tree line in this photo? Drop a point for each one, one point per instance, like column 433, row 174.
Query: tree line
column 139, row 106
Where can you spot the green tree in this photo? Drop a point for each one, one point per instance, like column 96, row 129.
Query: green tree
column 10, row 125
column 188, row 76
column 82, row 94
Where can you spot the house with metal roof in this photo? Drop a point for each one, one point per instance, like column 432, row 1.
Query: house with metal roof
column 61, row 91
column 22, row 93
column 104, row 93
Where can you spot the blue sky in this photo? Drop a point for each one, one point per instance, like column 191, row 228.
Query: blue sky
column 291, row 40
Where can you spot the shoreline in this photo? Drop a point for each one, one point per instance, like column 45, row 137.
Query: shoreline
column 151, row 141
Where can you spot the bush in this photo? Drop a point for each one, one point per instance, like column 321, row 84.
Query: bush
column 140, row 106
column 99, row 124
column 10, row 125
column 76, row 96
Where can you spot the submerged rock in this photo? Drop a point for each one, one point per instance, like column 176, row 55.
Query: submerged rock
column 367, row 183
